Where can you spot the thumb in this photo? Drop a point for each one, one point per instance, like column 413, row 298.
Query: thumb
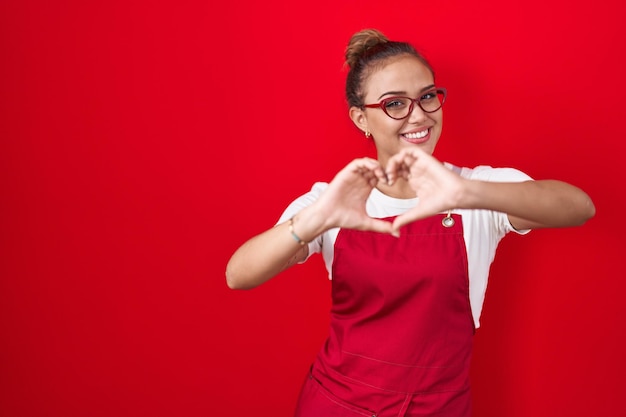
column 380, row 226
column 406, row 218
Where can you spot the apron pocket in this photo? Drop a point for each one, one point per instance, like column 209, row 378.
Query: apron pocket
column 316, row 400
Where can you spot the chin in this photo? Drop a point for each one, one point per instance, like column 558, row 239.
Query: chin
column 428, row 146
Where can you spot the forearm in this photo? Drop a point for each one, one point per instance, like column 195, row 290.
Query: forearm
column 273, row 251
column 531, row 204
column 342, row 204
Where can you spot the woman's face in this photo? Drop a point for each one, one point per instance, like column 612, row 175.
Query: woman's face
column 403, row 76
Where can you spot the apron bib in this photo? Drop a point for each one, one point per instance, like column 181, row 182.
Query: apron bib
column 401, row 326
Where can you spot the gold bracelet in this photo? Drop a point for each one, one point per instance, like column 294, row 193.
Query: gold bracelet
column 294, row 235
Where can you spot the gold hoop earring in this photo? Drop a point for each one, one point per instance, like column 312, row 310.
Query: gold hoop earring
column 367, row 133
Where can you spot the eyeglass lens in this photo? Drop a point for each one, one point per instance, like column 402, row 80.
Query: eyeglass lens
column 400, row 107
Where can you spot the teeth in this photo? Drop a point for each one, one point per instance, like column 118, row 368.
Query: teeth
column 417, row 135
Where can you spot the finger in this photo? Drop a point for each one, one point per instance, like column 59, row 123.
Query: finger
column 401, row 163
column 406, row 218
column 380, row 174
column 370, row 168
column 370, row 178
column 365, row 164
column 395, row 168
column 376, row 225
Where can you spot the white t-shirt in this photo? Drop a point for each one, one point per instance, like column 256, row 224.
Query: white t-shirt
column 482, row 229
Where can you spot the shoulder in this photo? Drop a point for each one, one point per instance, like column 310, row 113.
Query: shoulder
column 303, row 201
column 314, row 193
column 319, row 187
column 489, row 173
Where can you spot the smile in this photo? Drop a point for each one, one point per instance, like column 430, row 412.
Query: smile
column 416, row 135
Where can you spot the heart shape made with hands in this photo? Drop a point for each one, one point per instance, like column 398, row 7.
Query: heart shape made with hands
column 436, row 186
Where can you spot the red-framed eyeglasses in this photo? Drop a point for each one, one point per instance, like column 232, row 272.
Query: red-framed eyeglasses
column 399, row 107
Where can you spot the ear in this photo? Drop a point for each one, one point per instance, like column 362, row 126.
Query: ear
column 358, row 118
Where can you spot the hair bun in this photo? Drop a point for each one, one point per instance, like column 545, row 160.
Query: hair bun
column 362, row 41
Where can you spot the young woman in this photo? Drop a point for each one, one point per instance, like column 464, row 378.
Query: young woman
column 408, row 242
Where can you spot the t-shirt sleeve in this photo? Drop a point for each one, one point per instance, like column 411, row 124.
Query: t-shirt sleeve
column 298, row 204
column 487, row 173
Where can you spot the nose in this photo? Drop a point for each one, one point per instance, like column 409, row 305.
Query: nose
column 417, row 114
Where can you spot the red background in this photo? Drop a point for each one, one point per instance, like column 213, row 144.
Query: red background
column 142, row 142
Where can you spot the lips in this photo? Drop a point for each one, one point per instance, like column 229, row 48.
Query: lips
column 416, row 136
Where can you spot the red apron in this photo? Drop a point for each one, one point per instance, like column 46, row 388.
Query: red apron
column 401, row 329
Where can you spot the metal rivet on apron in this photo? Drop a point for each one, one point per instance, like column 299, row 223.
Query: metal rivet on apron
column 447, row 221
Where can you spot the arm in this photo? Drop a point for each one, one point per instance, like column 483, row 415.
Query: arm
column 342, row 204
column 253, row 264
column 532, row 204
column 529, row 204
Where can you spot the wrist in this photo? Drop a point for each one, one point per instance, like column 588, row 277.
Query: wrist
column 469, row 195
column 306, row 225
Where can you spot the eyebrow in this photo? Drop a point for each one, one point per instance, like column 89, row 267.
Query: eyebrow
column 428, row 87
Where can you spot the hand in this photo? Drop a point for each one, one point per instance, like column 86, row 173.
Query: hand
column 438, row 188
column 343, row 203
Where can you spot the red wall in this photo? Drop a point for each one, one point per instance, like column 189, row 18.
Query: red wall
column 142, row 142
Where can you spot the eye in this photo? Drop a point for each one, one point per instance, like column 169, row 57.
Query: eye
column 431, row 95
column 395, row 103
